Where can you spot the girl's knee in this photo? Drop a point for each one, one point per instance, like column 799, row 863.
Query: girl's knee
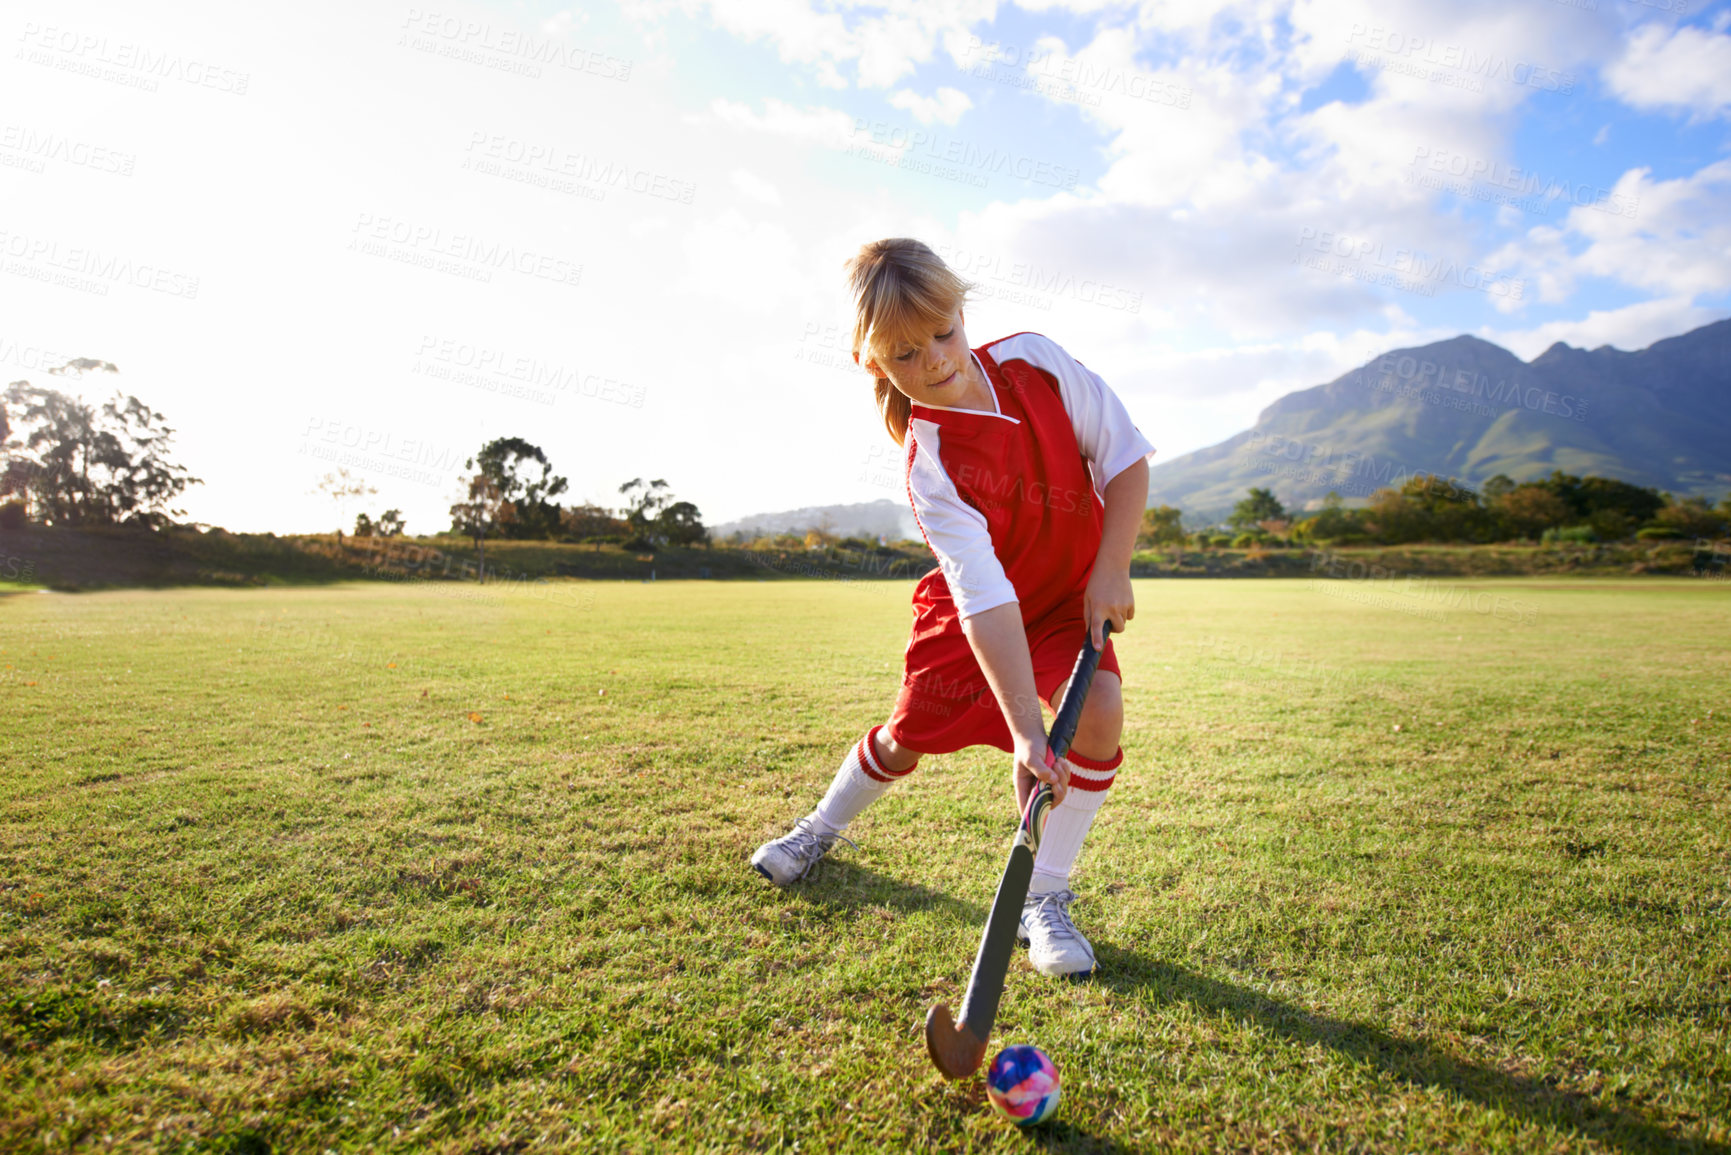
column 1102, row 721
column 1105, row 704
column 898, row 759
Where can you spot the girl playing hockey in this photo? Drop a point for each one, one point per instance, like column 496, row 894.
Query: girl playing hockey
column 1028, row 481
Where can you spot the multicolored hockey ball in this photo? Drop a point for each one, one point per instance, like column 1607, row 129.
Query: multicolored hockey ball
column 1022, row 1084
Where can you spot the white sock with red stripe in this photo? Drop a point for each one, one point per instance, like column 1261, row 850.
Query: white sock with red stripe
column 859, row 782
column 1067, row 824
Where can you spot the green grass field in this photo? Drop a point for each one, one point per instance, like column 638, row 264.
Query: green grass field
column 427, row 867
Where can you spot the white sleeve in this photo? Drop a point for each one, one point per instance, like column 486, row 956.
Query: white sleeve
column 1104, row 432
column 955, row 530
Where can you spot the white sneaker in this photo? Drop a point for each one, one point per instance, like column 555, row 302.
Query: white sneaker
column 1055, row 946
column 788, row 859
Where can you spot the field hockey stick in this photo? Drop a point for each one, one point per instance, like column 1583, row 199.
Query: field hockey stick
column 957, row 1050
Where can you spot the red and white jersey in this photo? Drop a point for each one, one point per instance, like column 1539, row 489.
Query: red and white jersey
column 1010, row 500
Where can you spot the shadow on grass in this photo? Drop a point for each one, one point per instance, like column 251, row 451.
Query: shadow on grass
column 1533, row 1100
column 837, row 884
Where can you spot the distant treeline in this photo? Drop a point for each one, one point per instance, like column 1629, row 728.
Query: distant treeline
column 1428, row 508
column 65, row 462
column 510, row 494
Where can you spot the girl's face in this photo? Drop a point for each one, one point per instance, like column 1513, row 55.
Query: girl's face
column 938, row 371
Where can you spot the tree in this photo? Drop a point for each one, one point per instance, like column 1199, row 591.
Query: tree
column 681, row 524
column 644, row 501
column 508, row 462
column 1611, row 524
column 588, row 520
column 1392, row 519
column 14, row 475
column 1261, row 505
column 8, row 484
column 76, row 464
column 1445, row 510
column 653, row 517
column 1434, row 493
column 1586, row 496
column 142, row 480
column 1528, row 510
column 478, row 512
column 50, row 466
column 1162, row 525
column 1427, row 507
column 1496, row 487
column 504, row 498
column 1693, row 517
column 343, row 488
column 1333, row 524
column 390, row 524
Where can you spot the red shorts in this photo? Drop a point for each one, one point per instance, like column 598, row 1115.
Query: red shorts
column 945, row 703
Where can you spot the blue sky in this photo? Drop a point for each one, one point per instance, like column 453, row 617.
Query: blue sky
column 374, row 236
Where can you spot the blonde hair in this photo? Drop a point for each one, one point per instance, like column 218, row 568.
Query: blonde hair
column 903, row 293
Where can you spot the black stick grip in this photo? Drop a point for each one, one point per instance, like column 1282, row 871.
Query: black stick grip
column 1070, row 709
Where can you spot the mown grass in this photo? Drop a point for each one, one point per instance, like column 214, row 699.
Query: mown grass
column 375, row 868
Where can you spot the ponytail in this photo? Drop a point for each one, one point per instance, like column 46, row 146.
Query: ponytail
column 895, row 407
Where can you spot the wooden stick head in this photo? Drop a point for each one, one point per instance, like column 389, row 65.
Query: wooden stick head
column 956, row 1051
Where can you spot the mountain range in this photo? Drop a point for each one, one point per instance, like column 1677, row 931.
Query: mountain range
column 890, row 520
column 1467, row 409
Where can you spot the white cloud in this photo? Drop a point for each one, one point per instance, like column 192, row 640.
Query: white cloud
column 881, row 42
column 1177, row 135
column 945, row 107
column 800, row 34
column 908, row 34
column 1686, row 68
column 829, row 127
column 754, row 188
column 1674, row 238
column 1458, row 72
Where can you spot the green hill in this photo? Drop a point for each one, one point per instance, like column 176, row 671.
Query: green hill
column 1468, row 409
